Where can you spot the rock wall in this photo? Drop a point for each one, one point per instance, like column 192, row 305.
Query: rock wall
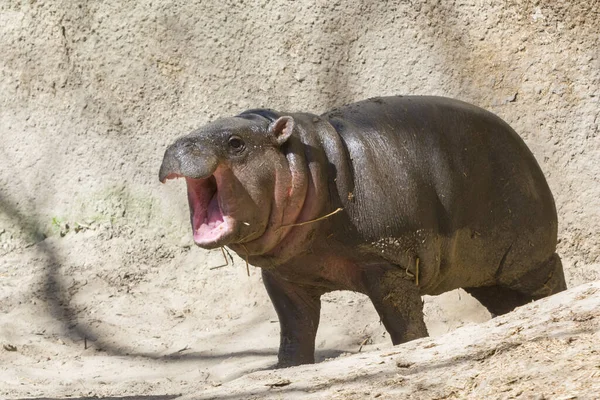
column 92, row 92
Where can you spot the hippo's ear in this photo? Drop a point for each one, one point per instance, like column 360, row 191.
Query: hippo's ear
column 281, row 129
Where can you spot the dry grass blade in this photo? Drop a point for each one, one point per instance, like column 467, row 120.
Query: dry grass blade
column 364, row 342
column 312, row 220
column 225, row 257
column 417, row 272
column 247, row 265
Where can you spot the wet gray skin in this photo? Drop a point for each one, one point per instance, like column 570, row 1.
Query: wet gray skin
column 393, row 197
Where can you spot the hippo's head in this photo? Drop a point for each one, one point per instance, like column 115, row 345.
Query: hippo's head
column 243, row 185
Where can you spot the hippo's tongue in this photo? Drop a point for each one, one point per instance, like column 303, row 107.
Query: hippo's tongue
column 207, row 218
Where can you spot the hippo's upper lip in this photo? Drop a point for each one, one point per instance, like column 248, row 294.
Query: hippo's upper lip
column 209, row 225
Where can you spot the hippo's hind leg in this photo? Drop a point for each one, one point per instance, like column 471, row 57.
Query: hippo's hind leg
column 398, row 302
column 543, row 281
column 553, row 279
column 499, row 300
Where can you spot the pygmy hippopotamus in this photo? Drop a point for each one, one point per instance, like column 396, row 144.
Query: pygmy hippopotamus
column 393, row 197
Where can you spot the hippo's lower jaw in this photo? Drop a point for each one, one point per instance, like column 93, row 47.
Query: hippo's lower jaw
column 210, row 227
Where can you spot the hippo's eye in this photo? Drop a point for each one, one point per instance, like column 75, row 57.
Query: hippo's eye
column 236, row 143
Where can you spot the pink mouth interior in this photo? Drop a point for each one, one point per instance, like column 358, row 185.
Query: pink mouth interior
column 208, row 222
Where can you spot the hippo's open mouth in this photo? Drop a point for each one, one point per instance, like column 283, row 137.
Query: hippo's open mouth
column 208, row 222
column 210, row 227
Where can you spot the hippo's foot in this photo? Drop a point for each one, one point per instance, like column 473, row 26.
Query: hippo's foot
column 543, row 281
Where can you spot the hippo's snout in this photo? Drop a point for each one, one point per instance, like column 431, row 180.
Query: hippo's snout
column 184, row 159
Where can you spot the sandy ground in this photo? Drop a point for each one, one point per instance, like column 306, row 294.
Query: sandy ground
column 109, row 315
column 545, row 350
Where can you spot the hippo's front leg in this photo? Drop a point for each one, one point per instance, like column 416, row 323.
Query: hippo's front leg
column 298, row 309
column 397, row 301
